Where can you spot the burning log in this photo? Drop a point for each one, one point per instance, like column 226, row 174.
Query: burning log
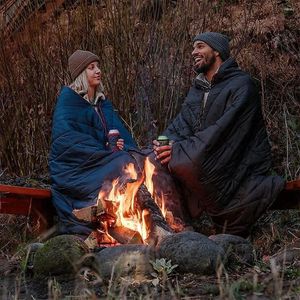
column 125, row 235
column 126, row 212
column 152, row 216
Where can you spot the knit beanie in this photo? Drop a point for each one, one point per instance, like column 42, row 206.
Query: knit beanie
column 79, row 60
column 219, row 42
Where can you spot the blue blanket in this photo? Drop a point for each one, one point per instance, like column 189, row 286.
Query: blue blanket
column 79, row 158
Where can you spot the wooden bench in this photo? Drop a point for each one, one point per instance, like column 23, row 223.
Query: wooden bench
column 36, row 203
column 289, row 198
column 32, row 202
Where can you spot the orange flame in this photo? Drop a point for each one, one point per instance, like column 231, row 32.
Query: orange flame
column 122, row 199
column 149, row 172
column 124, row 202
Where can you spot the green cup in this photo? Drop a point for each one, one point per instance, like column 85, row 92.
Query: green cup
column 163, row 140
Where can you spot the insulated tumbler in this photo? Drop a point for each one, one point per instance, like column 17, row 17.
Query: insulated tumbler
column 163, row 140
column 113, row 136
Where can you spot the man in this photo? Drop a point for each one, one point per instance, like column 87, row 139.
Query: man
column 220, row 151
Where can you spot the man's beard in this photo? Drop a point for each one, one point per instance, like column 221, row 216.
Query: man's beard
column 206, row 66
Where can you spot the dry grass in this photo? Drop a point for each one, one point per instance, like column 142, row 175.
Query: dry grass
column 145, row 57
column 13, row 230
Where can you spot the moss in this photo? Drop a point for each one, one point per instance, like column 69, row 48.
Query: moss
column 59, row 256
column 27, row 254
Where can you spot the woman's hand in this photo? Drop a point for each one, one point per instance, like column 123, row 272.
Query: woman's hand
column 162, row 153
column 120, row 144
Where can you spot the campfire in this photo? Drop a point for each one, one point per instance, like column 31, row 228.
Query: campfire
column 128, row 210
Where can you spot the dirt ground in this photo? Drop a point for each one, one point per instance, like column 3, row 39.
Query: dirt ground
column 266, row 279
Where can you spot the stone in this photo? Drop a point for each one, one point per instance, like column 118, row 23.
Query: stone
column 289, row 254
column 59, row 255
column 237, row 249
column 286, row 256
column 121, row 261
column 193, row 252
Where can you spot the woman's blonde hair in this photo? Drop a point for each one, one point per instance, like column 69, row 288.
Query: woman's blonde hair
column 80, row 85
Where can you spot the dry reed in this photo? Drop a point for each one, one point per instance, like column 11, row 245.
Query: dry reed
column 144, row 47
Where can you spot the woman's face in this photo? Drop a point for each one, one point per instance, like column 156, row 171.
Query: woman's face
column 93, row 74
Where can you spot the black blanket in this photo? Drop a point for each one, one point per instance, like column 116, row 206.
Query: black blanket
column 221, row 152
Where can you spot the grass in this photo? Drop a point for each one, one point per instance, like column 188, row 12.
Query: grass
column 144, row 48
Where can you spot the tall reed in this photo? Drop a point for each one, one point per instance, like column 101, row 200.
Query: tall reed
column 144, row 48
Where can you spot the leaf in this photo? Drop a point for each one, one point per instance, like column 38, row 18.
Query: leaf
column 170, row 270
column 155, row 281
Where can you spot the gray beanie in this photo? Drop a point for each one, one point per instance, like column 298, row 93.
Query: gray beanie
column 219, row 42
column 79, row 60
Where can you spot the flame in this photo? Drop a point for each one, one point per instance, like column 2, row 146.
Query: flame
column 163, row 205
column 149, row 172
column 126, row 213
column 121, row 199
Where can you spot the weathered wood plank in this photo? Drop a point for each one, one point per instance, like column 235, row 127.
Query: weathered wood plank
column 32, row 202
column 293, row 185
column 289, row 198
column 24, row 192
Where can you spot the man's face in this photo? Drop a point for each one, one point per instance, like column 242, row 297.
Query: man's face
column 204, row 57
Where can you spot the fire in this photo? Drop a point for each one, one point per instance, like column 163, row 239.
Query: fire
column 120, row 201
column 124, row 202
column 149, row 172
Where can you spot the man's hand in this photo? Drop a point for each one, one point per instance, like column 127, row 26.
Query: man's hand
column 162, row 153
column 120, row 144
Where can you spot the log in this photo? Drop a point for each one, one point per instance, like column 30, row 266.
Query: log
column 96, row 213
column 85, row 214
column 125, row 235
column 158, row 228
column 99, row 238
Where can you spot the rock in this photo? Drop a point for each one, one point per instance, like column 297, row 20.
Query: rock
column 193, row 252
column 122, row 261
column 289, row 254
column 286, row 257
column 237, row 249
column 59, row 255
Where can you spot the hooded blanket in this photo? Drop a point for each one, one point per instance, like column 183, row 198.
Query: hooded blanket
column 221, row 153
column 79, row 158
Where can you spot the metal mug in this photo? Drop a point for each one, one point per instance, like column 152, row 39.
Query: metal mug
column 163, row 140
column 113, row 136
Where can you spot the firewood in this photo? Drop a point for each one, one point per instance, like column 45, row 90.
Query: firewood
column 125, row 235
column 158, row 228
column 96, row 213
column 85, row 213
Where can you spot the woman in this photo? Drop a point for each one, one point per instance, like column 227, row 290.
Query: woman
column 81, row 158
